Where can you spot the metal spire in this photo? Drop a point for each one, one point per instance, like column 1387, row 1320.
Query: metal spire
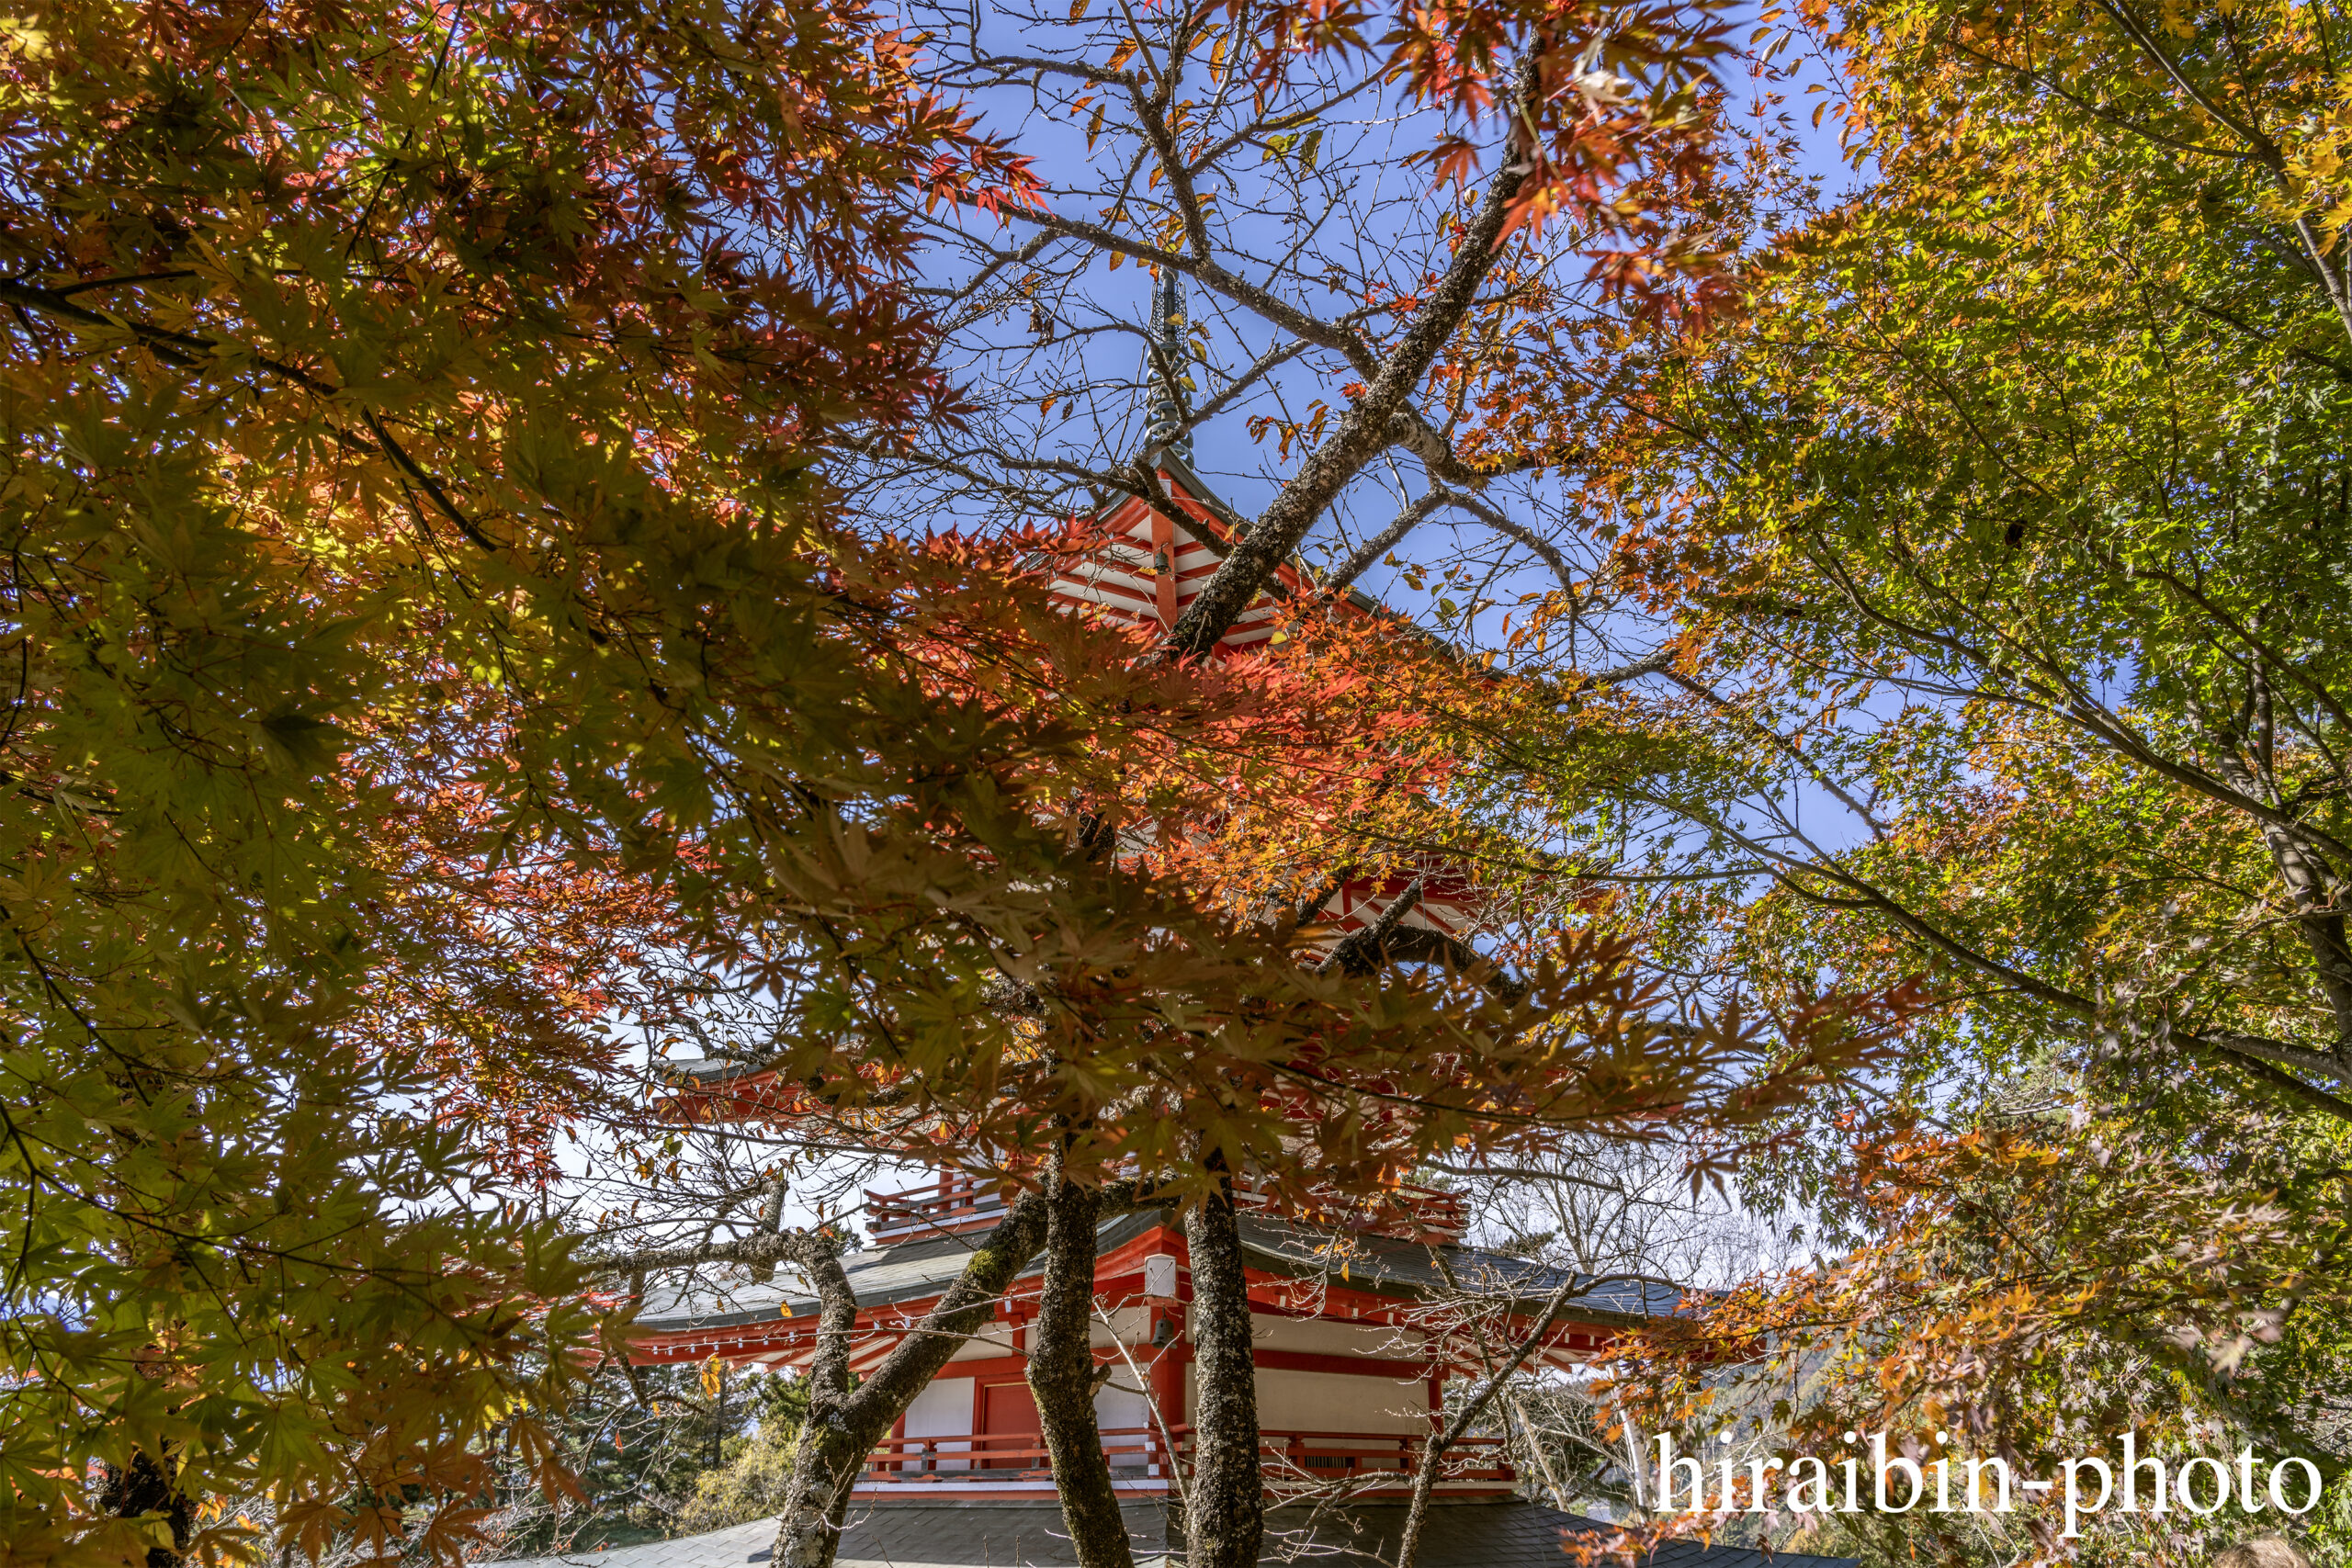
column 1165, row 361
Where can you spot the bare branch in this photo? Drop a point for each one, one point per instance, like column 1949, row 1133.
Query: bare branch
column 1362, row 429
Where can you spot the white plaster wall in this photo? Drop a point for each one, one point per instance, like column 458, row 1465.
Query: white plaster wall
column 1116, row 1409
column 1329, row 1401
column 1337, row 1401
column 1129, row 1380
column 1130, row 1323
column 997, row 1339
column 1325, row 1338
column 943, row 1407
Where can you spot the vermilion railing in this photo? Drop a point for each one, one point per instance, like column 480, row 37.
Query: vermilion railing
column 1325, row 1456
column 956, row 1202
column 1003, row 1456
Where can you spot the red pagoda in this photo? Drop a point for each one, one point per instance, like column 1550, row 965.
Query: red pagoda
column 1350, row 1353
column 1347, row 1385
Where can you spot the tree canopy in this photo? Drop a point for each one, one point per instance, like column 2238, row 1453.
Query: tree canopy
column 529, row 519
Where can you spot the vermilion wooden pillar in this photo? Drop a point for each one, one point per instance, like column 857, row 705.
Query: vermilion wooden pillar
column 1166, row 1380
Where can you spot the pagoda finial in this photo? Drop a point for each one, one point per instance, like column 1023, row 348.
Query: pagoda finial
column 1165, row 362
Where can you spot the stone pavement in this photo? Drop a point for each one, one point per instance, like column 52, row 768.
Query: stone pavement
column 1030, row 1535
column 720, row 1549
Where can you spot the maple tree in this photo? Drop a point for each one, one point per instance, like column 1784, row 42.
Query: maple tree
column 1990, row 569
column 1577, row 187
column 1494, row 312
column 434, row 623
column 2024, row 568
column 424, row 626
column 1116, row 1088
column 2032, row 1291
column 1093, row 1063
column 1252, row 816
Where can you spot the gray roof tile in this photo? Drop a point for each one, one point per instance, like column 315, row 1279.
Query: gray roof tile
column 915, row 1270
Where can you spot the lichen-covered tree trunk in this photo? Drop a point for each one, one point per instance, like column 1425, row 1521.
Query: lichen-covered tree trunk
column 843, row 1424
column 1061, row 1376
column 817, row 1496
column 1225, row 1521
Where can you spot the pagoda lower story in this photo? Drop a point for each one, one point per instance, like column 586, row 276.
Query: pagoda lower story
column 1352, row 1364
column 1351, row 1380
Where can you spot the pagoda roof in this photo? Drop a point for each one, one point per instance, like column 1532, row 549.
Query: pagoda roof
column 1118, row 581
column 1219, row 541
column 1408, row 1271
